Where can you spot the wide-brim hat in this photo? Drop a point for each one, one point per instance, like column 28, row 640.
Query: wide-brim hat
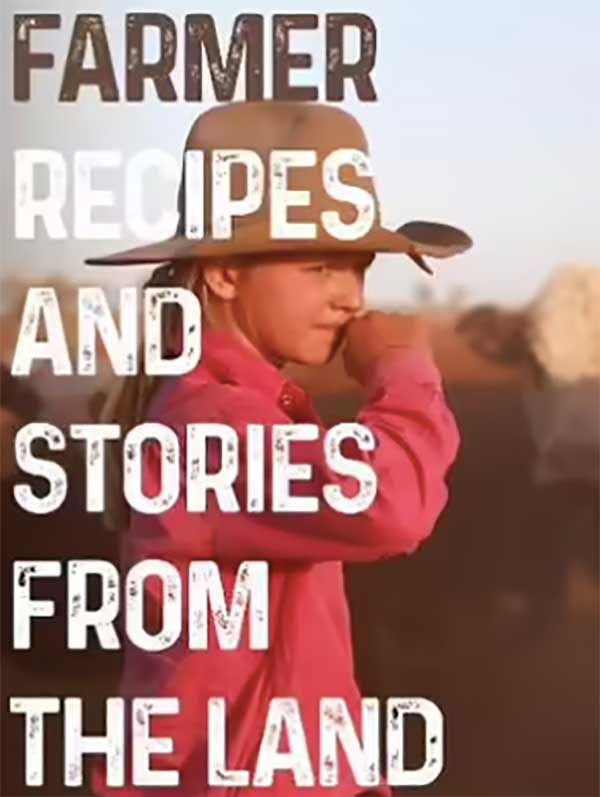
column 263, row 127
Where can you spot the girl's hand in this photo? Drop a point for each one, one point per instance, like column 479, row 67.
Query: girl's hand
column 375, row 334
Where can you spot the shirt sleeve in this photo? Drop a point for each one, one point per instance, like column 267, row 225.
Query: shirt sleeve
column 416, row 442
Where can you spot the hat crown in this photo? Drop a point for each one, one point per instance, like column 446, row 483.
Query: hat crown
column 273, row 124
column 263, row 127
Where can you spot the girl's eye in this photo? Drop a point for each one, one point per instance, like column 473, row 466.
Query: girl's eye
column 317, row 269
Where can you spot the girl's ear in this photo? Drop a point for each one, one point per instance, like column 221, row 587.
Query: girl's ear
column 222, row 281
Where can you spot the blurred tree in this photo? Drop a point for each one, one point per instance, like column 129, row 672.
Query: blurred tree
column 424, row 294
column 457, row 296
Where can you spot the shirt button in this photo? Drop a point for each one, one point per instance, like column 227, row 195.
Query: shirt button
column 286, row 400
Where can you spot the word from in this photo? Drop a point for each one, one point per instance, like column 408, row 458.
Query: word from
column 204, row 588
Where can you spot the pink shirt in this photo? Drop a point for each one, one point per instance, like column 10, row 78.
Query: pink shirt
column 310, row 652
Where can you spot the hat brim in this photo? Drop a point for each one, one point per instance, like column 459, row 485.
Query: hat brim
column 414, row 238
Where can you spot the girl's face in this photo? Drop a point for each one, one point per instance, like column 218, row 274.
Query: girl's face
column 294, row 308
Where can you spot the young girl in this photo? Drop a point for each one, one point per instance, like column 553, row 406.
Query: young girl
column 261, row 311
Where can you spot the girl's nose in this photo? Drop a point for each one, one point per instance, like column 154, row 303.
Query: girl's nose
column 348, row 291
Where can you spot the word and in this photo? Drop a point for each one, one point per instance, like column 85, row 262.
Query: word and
column 42, row 312
column 89, row 40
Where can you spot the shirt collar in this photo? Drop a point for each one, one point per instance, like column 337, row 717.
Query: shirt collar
column 229, row 360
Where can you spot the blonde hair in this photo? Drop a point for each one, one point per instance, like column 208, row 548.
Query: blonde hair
column 129, row 398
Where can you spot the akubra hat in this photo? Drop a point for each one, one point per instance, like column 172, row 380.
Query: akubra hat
column 266, row 126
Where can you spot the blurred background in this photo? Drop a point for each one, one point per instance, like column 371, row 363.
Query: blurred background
column 487, row 118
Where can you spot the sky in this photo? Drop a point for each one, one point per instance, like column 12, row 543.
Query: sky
column 487, row 117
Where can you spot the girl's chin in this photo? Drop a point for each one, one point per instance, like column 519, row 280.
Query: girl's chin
column 316, row 356
column 315, row 352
